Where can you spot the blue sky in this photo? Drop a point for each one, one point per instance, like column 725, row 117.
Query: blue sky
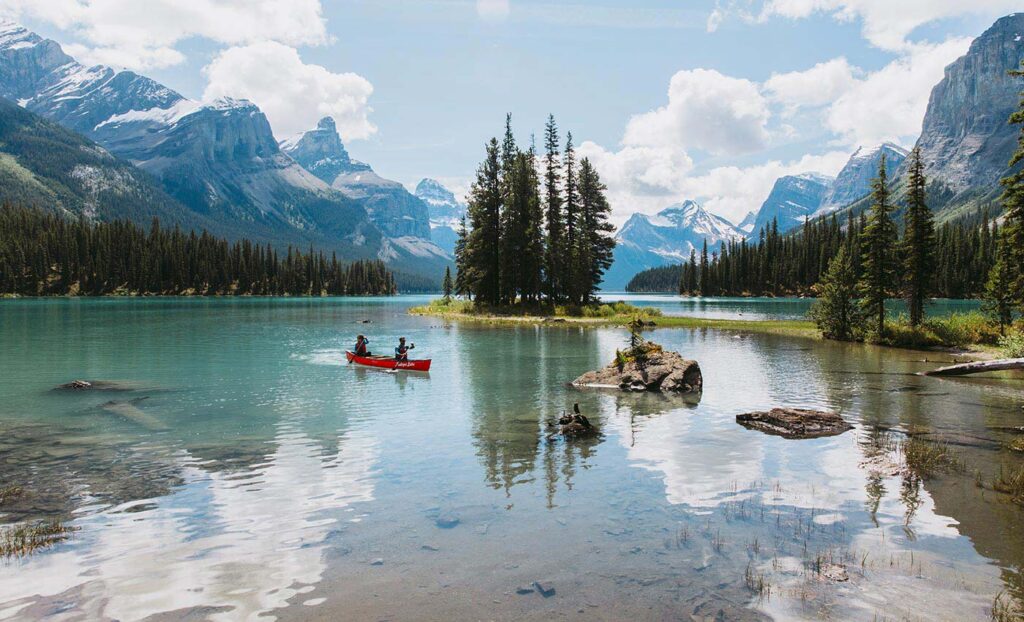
column 758, row 88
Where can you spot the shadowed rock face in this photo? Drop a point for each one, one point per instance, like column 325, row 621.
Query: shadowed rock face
column 795, row 422
column 966, row 141
column 667, row 372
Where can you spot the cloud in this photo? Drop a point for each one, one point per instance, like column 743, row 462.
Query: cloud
column 890, row 104
column 817, row 86
column 707, row 111
column 293, row 95
column 886, row 24
column 732, row 191
column 143, row 35
column 492, row 10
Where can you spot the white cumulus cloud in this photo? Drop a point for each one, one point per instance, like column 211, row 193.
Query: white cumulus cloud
column 141, row 35
column 887, row 24
column 292, row 94
column 817, row 86
column 706, row 110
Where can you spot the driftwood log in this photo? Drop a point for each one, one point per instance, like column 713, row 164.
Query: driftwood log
column 979, row 367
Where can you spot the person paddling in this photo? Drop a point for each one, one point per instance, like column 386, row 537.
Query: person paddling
column 362, row 346
column 402, row 351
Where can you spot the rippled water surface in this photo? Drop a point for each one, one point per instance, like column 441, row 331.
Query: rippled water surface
column 241, row 470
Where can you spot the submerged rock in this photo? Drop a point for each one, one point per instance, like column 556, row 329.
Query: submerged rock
column 654, row 370
column 795, row 422
column 98, row 385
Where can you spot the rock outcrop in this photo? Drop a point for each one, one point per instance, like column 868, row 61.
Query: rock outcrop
column 795, row 422
column 966, row 141
column 659, row 370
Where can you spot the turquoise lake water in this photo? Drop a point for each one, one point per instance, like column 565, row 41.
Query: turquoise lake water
column 242, row 470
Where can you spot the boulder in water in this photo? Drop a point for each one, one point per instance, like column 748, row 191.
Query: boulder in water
column 647, row 369
column 795, row 422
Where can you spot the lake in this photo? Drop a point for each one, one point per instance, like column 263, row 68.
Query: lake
column 245, row 471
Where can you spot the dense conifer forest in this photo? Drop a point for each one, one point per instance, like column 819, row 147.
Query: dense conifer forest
column 790, row 265
column 43, row 254
column 539, row 231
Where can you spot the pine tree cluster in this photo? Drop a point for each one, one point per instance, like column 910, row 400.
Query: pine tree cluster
column 528, row 245
column 43, row 254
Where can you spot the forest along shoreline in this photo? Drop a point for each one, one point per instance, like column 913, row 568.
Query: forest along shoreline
column 621, row 314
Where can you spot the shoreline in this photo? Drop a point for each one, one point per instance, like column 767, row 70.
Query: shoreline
column 805, row 329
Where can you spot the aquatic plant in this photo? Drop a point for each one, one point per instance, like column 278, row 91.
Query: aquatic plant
column 1010, row 480
column 757, row 582
column 25, row 539
column 925, row 458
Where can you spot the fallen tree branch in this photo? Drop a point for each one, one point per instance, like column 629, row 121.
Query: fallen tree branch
column 976, row 368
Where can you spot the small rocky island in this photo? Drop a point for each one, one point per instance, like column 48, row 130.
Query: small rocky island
column 795, row 422
column 646, row 367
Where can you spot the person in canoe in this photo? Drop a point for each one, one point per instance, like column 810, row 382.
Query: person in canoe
column 362, row 346
column 402, row 351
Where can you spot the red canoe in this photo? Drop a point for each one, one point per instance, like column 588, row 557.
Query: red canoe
column 388, row 362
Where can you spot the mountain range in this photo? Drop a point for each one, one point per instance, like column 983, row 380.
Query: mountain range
column 446, row 213
column 966, row 143
column 219, row 164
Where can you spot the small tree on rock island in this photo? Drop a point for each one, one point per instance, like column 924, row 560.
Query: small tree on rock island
column 878, row 259
column 446, row 285
column 836, row 311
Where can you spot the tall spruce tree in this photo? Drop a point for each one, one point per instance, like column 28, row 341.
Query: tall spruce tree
column 483, row 247
column 918, row 243
column 999, row 298
column 511, row 218
column 572, row 274
column 1013, row 207
column 462, row 280
column 704, row 286
column 555, row 221
column 595, row 240
column 878, row 259
column 532, row 260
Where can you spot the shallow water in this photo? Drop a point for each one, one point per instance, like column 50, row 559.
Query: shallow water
column 736, row 308
column 245, row 471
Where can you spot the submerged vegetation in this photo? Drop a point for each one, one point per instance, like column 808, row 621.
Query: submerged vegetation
column 25, row 539
column 43, row 254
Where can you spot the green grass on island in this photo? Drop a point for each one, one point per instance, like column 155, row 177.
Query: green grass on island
column 601, row 314
column 971, row 331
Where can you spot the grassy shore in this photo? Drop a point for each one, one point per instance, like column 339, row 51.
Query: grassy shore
column 966, row 333
column 613, row 314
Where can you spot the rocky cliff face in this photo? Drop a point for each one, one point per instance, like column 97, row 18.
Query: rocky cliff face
column 393, row 208
column 854, row 180
column 966, row 142
column 792, row 199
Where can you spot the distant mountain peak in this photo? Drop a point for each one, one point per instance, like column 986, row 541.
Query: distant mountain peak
column 321, row 152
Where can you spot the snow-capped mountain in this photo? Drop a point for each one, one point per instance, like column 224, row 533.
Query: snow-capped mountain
column 792, row 199
column 854, row 180
column 446, row 212
column 667, row 237
column 393, row 208
column 747, row 224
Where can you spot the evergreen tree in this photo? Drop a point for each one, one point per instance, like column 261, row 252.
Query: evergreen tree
column 482, row 253
column 836, row 311
column 573, row 264
column 554, row 251
column 878, row 260
column 999, row 297
column 595, row 243
column 462, row 279
column 446, row 285
column 918, row 242
column 1013, row 208
column 703, row 287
